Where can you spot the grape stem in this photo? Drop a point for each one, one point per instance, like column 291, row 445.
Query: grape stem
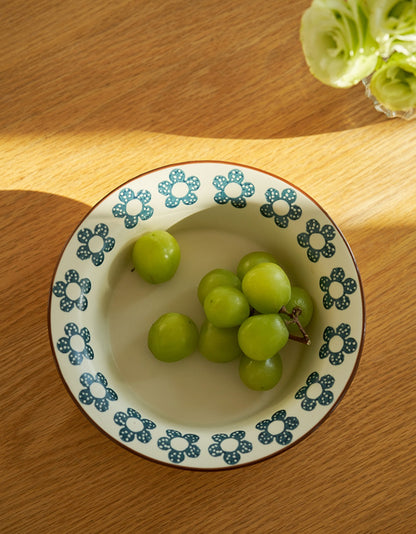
column 294, row 318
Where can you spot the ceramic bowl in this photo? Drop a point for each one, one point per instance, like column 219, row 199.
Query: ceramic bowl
column 195, row 413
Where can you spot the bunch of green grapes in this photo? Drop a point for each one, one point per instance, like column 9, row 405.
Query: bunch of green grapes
column 250, row 314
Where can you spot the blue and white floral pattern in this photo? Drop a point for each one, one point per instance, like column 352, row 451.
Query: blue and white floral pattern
column 179, row 189
column 316, row 391
column 337, row 343
column 75, row 344
column 95, row 243
column 241, row 189
column 277, row 428
column 281, row 207
column 133, row 207
column 337, row 288
column 133, row 425
column 179, row 446
column 230, row 447
column 317, row 240
column 96, row 391
column 72, row 291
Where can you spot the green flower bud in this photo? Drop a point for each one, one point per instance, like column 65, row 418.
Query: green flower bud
column 393, row 84
column 336, row 41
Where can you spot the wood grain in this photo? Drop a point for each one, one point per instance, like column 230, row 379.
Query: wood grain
column 93, row 94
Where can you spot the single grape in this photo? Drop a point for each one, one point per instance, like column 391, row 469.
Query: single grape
column 215, row 278
column 266, row 287
column 252, row 259
column 226, row 306
column 262, row 336
column 219, row 344
column 261, row 375
column 156, row 256
column 172, row 337
column 300, row 298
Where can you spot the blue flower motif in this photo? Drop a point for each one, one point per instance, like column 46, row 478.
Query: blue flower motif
column 179, row 189
column 96, row 391
column 179, row 445
column 337, row 288
column 230, row 446
column 277, row 428
column 133, row 425
column 233, row 188
column 316, row 391
column 76, row 344
column 133, row 207
column 337, row 343
column 95, row 243
column 281, row 207
column 72, row 292
column 317, row 240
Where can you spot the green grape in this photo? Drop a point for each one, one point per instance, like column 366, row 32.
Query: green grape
column 262, row 336
column 226, row 306
column 261, row 375
column 266, row 287
column 156, row 256
column 252, row 259
column 300, row 298
column 172, row 337
column 219, row 344
column 217, row 277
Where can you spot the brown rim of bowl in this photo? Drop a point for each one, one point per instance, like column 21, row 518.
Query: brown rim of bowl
column 287, row 447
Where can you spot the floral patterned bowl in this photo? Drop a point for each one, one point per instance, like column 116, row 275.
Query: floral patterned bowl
column 195, row 413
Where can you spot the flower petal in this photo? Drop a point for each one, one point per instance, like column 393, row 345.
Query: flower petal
column 146, row 213
column 71, row 276
column 101, row 404
column 262, row 425
column 281, row 221
column 126, row 434
column 215, row 449
column 219, row 437
column 337, row 274
column 238, row 435
column 193, row 183
column 220, row 182
column 101, row 229
column 84, row 333
column 295, row 213
column 350, row 285
column 350, row 345
column 308, row 404
column 177, row 175
column 327, row 301
column 327, row 381
column 329, row 333
column 126, row 194
column 232, row 457
column 83, row 252
column 313, row 226
column 235, row 176
column 109, row 243
column 98, row 258
column 245, row 446
column 279, row 416
column 163, row 443
column 284, row 438
column 120, row 418
column 272, row 195
column 248, row 189
column 165, row 188
column 189, row 199
column 172, row 202
column 63, row 345
column 313, row 254
column 75, row 358
column 111, row 394
column 173, row 433
column 239, row 202
column 193, row 451
column 131, row 221
column 85, row 396
column 191, row 438
column 291, row 423
column 312, row 378
column 101, row 379
column 59, row 289
column 66, row 304
column 221, row 198
column 342, row 303
column 325, row 398
column 84, row 235
column 147, row 423
column 119, row 210
column 289, row 195
column 324, row 351
column 324, row 283
column 144, row 196
column 144, row 436
column 343, row 330
column 266, row 210
column 336, row 358
column 265, row 437
column 328, row 232
column 300, row 394
column 303, row 240
column 82, row 303
column 86, row 379
column 328, row 251
column 85, row 285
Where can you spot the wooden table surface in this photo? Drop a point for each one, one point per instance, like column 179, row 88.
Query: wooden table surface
column 95, row 93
